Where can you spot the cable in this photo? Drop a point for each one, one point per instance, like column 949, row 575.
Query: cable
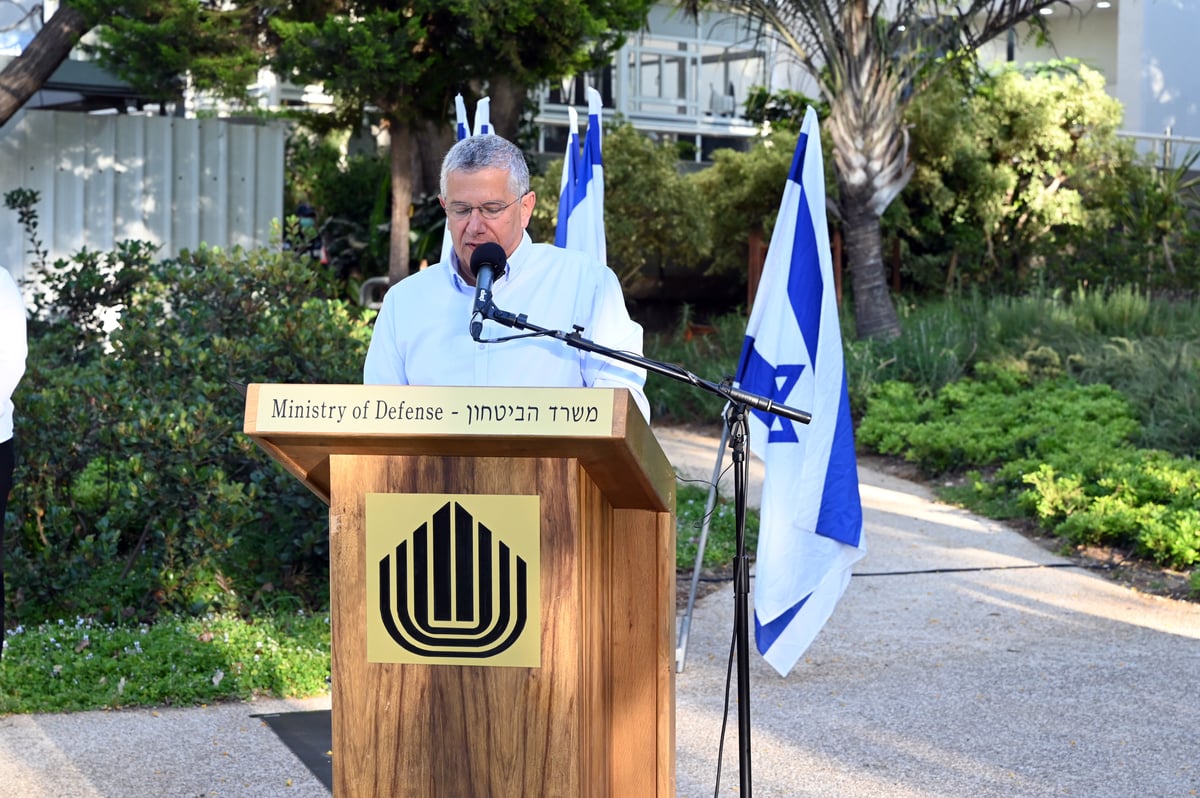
column 1094, row 567
column 1099, row 567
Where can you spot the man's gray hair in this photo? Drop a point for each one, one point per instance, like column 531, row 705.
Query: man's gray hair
column 488, row 151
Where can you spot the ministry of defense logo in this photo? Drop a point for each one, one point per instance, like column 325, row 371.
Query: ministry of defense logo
column 453, row 579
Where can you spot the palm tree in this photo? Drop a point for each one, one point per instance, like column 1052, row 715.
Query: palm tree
column 869, row 58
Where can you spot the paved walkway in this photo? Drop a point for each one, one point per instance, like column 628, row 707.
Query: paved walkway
column 999, row 679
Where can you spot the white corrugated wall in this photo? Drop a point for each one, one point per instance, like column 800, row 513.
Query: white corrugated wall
column 174, row 182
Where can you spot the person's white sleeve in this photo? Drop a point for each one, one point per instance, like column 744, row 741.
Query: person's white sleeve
column 613, row 328
column 384, row 364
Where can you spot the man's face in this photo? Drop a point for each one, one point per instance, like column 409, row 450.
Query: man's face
column 484, row 187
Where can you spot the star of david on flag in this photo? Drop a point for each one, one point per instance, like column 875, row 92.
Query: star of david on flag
column 810, row 532
column 581, row 194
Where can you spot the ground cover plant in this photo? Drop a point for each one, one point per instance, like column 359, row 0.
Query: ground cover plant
column 691, row 512
column 66, row 666
column 1055, row 450
column 1075, row 412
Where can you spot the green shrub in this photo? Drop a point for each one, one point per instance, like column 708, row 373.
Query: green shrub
column 711, row 353
column 1148, row 349
column 741, row 192
column 653, row 216
column 1161, row 378
column 939, row 343
column 1146, row 500
column 136, row 492
column 350, row 194
column 1004, row 166
column 1046, row 448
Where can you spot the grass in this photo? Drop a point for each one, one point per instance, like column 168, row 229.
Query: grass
column 78, row 665
column 691, row 501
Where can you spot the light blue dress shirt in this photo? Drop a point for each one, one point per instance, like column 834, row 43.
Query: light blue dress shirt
column 422, row 334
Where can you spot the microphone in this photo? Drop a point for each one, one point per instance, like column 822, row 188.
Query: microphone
column 486, row 265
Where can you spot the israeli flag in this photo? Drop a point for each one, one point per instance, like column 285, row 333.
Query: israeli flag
column 581, row 193
column 462, row 130
column 811, row 527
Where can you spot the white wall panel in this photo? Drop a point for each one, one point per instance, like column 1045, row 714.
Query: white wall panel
column 174, row 182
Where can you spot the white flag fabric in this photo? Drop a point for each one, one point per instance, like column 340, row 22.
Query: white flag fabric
column 810, row 532
column 462, row 130
column 581, row 193
column 483, row 117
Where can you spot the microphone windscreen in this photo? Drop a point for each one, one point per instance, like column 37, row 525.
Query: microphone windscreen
column 489, row 254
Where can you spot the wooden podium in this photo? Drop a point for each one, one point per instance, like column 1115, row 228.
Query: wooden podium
column 420, row 705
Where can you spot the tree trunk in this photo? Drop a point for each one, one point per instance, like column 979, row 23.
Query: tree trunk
column 874, row 314
column 402, row 195
column 433, row 139
column 507, row 102
column 28, row 72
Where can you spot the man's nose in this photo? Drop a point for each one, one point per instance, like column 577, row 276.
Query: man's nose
column 475, row 220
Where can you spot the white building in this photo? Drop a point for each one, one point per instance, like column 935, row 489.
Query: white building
column 1144, row 50
column 687, row 79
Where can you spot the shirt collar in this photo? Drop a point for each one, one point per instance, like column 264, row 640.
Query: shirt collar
column 519, row 257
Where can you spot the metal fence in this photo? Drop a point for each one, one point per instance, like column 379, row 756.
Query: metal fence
column 1168, row 151
column 174, row 182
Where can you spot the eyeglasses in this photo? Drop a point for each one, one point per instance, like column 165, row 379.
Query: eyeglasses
column 488, row 210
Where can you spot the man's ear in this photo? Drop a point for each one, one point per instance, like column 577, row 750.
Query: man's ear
column 527, row 203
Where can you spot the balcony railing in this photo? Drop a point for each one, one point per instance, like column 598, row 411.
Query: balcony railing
column 1169, row 150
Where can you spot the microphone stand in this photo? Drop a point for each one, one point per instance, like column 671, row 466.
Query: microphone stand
column 737, row 422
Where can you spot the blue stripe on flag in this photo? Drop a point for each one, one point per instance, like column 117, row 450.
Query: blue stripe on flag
column 805, row 285
column 841, row 515
column 581, row 192
column 765, row 634
column 567, row 201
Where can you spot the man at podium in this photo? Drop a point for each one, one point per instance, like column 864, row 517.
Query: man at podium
column 423, row 333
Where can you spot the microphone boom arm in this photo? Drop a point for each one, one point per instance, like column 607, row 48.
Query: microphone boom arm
column 723, row 389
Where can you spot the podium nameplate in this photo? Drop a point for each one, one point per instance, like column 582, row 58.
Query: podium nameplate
column 433, row 410
column 301, row 426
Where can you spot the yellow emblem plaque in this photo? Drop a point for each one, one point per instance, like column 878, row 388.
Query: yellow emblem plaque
column 453, row 579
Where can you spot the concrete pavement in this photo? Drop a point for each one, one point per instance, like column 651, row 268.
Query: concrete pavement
column 1006, row 680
